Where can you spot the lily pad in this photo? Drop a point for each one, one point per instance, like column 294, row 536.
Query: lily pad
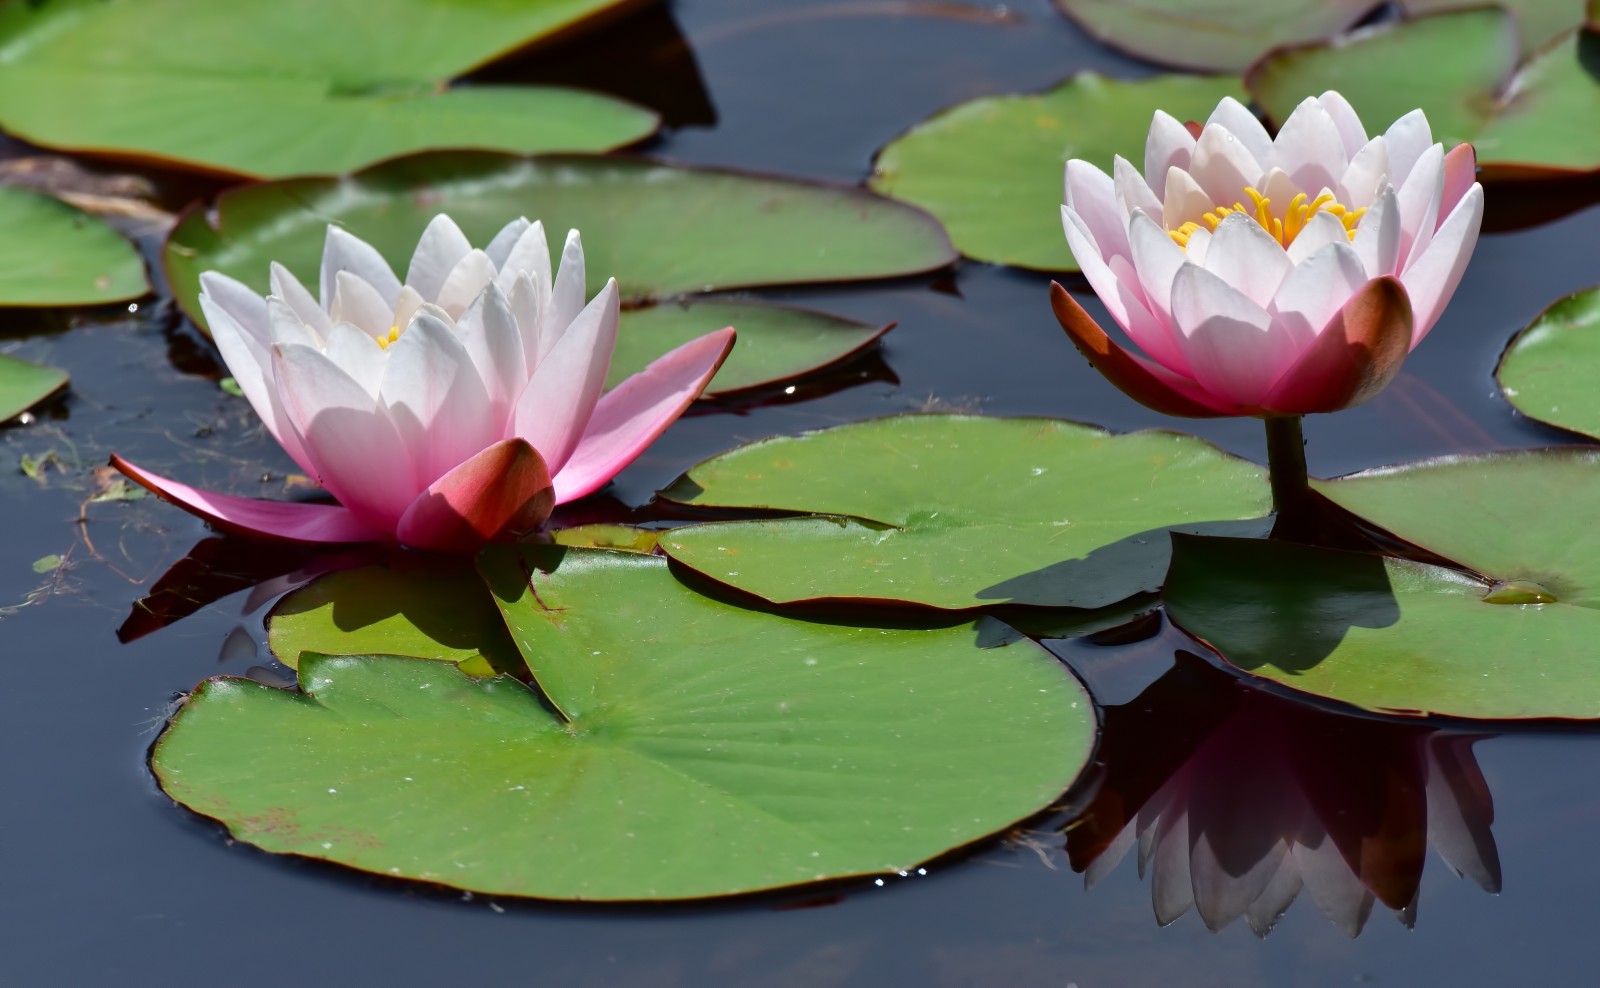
column 776, row 342
column 991, row 169
column 1385, row 634
column 1533, row 120
column 660, row 229
column 956, row 511
column 23, row 385
column 435, row 611
column 56, row 254
column 1208, row 34
column 263, row 88
column 1538, row 21
column 622, row 538
column 676, row 747
column 1547, row 373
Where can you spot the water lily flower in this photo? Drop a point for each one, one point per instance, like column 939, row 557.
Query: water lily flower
column 454, row 408
column 1269, row 277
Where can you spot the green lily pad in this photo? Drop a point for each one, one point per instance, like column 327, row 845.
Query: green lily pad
column 434, row 611
column 776, row 342
column 622, row 538
column 1547, row 373
column 677, row 747
column 1538, row 21
column 1385, row 634
column 955, row 511
column 261, row 88
column 1214, row 35
column 992, row 168
column 1460, row 67
column 23, row 385
column 659, row 229
column 56, row 254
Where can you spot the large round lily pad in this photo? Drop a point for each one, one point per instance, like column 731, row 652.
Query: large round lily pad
column 1386, row 634
column 1208, row 34
column 1538, row 21
column 956, row 511
column 992, row 168
column 284, row 87
column 23, row 385
column 1548, row 371
column 776, row 342
column 676, row 747
column 56, row 254
column 1461, row 68
column 659, row 229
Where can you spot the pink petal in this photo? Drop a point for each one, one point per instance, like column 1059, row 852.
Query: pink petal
column 1092, row 195
column 1332, row 884
column 344, row 251
column 1316, row 290
column 630, row 416
column 554, row 408
column 1232, row 345
column 1433, row 277
column 1366, row 174
column 1123, row 296
column 568, row 294
column 1169, row 145
column 1460, row 810
column 529, row 255
column 288, row 520
column 1346, row 119
column 1185, row 201
column 440, row 248
column 1419, row 204
column 498, row 494
column 1460, row 172
column 1132, row 192
column 1247, row 257
column 1223, row 166
column 250, row 362
column 1246, row 128
column 1310, row 148
column 287, row 287
column 1353, row 357
column 1407, row 139
column 489, row 333
column 434, row 397
column 1320, row 231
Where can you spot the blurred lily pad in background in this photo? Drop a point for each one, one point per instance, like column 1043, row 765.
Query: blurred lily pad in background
column 1208, row 35
column 57, row 254
column 992, row 169
column 675, row 747
column 24, row 384
column 324, row 85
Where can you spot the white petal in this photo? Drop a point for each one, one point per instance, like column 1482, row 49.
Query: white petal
column 344, row 251
column 249, row 360
column 500, row 247
column 1169, row 145
column 286, row 326
column 1247, row 257
column 1310, row 149
column 529, row 255
column 407, row 305
column 1335, row 889
column 489, row 333
column 356, row 301
column 1171, row 888
column 555, row 406
column 1186, row 201
column 1316, row 290
column 1377, row 239
column 356, row 353
column 435, row 398
column 1433, row 277
column 1233, row 349
column 1320, row 231
column 471, row 275
column 1132, row 192
column 1243, row 125
column 1157, row 259
column 1122, row 295
column 440, row 248
column 1345, row 118
column 1419, row 204
column 1368, row 172
column 1092, row 194
column 530, row 300
column 1198, row 247
column 248, row 309
column 569, row 292
column 1407, row 139
column 287, row 287
column 1223, row 166
column 1280, row 188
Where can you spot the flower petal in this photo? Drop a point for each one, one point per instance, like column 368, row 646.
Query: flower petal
column 1244, row 126
column 488, row 331
column 1310, row 148
column 466, row 281
column 1432, row 278
column 1132, row 192
column 1356, row 355
column 356, row 301
column 1247, row 257
column 1460, row 172
column 1169, row 145
column 238, row 300
column 530, row 302
column 433, row 394
column 354, row 449
column 344, row 251
column 1223, row 167
column 440, row 248
column 1092, row 195
column 1377, row 239
column 286, row 325
column 498, row 494
column 1232, row 346
column 1157, row 258
column 630, row 416
column 249, row 360
column 1367, row 173
column 500, row 247
column 1144, row 381
column 356, row 353
column 1316, row 290
column 554, row 408
column 1346, row 119
column 1328, row 877
column 1407, row 139
column 289, row 520
column 1185, row 200
column 1419, row 198
column 1320, row 230
column 569, row 292
column 1123, row 296
column 1460, row 810
column 287, row 287
column 531, row 255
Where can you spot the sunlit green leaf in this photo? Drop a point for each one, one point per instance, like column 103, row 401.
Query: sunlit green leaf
column 1548, row 371
column 57, row 254
column 1210, row 34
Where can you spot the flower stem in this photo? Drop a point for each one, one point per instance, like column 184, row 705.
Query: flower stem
column 1286, row 465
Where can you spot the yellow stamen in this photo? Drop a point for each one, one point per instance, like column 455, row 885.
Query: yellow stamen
column 388, row 338
column 1283, row 228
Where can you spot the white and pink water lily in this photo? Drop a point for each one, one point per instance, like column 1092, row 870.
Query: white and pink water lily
column 454, row 408
column 1269, row 276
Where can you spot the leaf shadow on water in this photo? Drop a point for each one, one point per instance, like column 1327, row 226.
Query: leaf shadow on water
column 1113, row 572
column 1237, row 800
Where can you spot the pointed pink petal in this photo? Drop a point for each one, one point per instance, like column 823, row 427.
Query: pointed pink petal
column 1432, row 278
column 1311, row 149
column 1092, row 195
column 500, row 493
column 1460, row 172
column 287, row 520
column 631, row 415
column 1345, row 118
column 555, row 406
column 1356, row 355
column 1244, row 125
column 568, row 293
column 1169, row 145
column 440, row 248
column 1233, row 347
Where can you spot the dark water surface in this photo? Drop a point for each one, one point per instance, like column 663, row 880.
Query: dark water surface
column 104, row 881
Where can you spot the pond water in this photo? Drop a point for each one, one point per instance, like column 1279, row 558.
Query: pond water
column 105, row 881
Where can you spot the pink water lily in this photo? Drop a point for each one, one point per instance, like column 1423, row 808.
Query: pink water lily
column 454, row 408
column 1269, row 277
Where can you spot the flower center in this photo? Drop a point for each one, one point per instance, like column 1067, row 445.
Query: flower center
column 1283, row 228
column 389, row 337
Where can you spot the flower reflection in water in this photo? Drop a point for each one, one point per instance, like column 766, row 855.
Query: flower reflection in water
column 1237, row 801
